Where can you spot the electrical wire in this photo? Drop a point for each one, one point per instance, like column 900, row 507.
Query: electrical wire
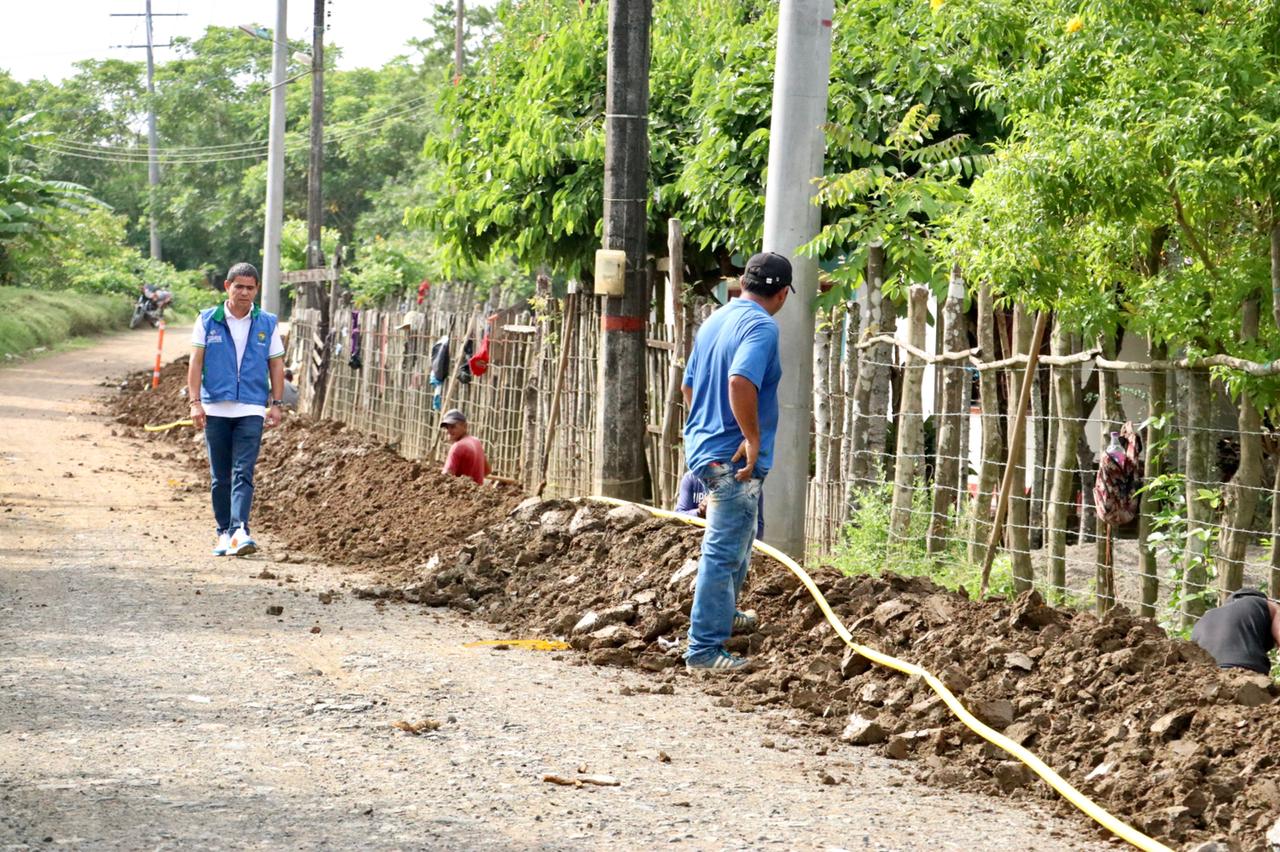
column 215, row 154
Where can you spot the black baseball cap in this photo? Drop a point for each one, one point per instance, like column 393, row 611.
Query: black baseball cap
column 767, row 273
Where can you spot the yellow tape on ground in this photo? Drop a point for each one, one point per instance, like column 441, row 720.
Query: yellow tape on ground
column 527, row 644
column 1053, row 779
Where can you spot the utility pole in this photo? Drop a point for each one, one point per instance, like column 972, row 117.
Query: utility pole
column 790, row 220
column 275, row 165
column 459, row 28
column 621, row 411
column 315, row 192
column 153, row 163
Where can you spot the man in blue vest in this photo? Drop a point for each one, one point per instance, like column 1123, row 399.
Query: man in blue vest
column 731, row 393
column 235, row 383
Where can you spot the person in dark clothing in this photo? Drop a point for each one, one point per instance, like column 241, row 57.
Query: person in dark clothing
column 1239, row 633
column 692, row 501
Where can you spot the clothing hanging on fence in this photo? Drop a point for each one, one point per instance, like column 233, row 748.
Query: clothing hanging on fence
column 479, row 362
column 439, row 370
column 464, row 363
column 1119, row 477
column 354, row 361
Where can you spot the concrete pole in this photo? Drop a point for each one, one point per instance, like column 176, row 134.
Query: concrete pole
column 315, row 174
column 275, row 165
column 153, row 164
column 791, row 219
column 621, row 411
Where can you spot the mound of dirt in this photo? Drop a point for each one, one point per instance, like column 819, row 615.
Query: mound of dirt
column 328, row 491
column 1144, row 724
column 138, row 405
column 336, row 494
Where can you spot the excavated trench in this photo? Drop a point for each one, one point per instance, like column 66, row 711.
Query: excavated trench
column 1144, row 724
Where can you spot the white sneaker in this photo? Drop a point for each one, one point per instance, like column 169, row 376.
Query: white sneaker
column 223, row 545
column 241, row 544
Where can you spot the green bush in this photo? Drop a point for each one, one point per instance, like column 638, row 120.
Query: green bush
column 867, row 546
column 33, row 318
column 85, row 251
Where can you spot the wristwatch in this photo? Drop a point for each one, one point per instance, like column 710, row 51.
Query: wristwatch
column 276, row 402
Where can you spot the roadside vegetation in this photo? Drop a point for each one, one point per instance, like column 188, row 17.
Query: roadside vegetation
column 30, row 319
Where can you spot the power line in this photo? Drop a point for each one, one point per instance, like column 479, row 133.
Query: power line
column 116, row 154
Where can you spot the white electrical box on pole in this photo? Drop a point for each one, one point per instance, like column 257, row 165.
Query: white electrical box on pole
column 796, row 146
column 275, row 165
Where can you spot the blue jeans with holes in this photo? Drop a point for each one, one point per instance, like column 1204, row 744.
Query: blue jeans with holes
column 233, row 444
column 732, row 507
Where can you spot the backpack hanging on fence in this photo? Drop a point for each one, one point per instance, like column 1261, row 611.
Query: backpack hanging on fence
column 1119, row 477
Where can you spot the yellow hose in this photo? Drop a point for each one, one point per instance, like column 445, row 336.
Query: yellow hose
column 164, row 427
column 1053, row 779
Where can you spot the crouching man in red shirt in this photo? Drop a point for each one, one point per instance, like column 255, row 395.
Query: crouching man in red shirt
column 466, row 456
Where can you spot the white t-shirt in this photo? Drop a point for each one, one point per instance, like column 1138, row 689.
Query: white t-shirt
column 240, row 337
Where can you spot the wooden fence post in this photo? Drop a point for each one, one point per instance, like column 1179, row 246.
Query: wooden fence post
column 849, row 384
column 1240, row 499
column 949, row 415
column 1019, row 538
column 992, row 444
column 1200, row 451
column 1062, row 494
column 910, row 416
column 1112, row 416
column 1153, row 461
column 870, row 395
column 822, row 394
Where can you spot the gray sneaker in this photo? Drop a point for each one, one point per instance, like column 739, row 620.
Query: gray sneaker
column 745, row 622
column 722, row 662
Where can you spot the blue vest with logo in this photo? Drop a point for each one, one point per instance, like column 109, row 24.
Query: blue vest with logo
column 221, row 380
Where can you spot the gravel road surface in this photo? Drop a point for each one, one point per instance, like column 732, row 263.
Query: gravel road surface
column 149, row 701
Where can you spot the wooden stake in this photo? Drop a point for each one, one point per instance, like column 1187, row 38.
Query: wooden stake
column 1015, row 447
column 567, row 329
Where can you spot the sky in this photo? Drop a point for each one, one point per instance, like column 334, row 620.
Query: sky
column 42, row 38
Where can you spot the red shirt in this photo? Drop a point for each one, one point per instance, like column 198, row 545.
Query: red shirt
column 466, row 458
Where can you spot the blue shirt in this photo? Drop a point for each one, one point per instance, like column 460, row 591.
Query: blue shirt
column 739, row 339
column 691, row 493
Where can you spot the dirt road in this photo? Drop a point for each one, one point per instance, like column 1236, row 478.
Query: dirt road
column 147, row 699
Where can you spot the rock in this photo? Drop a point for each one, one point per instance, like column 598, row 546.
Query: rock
column 872, row 693
column 996, row 712
column 1021, row 732
column 557, row 520
column 275, row 610
column 527, row 509
column 611, row 657
column 1273, row 836
column 956, row 680
column 590, row 621
column 860, row 730
column 611, row 636
column 584, row 520
column 897, row 748
column 853, row 664
column 1216, row 845
column 1030, row 613
column 1171, row 725
column 623, row 613
column 1011, row 775
column 647, row 596
column 626, row 516
column 1019, row 661
column 936, row 609
column 1251, row 690
column 688, row 569
column 889, row 610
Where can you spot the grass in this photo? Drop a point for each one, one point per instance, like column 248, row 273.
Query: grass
column 867, row 547
column 30, row 319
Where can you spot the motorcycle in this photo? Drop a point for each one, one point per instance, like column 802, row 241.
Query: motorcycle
column 150, row 306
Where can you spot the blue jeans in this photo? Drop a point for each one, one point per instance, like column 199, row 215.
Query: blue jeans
column 233, row 444
column 732, row 507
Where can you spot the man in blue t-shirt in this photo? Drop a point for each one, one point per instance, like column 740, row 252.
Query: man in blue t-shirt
column 731, row 393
